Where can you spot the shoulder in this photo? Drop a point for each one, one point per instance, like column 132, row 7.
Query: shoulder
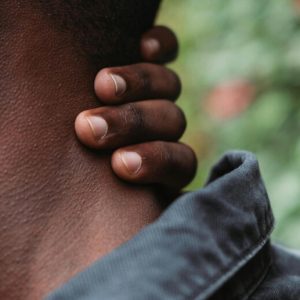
column 283, row 278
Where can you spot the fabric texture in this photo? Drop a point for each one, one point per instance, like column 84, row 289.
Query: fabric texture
column 210, row 244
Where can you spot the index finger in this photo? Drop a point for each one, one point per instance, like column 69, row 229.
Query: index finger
column 159, row 45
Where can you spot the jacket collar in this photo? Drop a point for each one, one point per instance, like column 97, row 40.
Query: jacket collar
column 200, row 244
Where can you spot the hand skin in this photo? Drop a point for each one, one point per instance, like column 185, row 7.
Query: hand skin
column 140, row 118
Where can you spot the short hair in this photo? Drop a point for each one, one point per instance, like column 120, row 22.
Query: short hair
column 108, row 31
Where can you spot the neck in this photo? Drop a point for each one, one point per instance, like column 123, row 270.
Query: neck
column 61, row 207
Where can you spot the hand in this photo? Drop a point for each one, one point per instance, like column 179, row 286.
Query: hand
column 142, row 122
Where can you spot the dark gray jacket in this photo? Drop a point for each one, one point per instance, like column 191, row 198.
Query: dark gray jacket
column 211, row 244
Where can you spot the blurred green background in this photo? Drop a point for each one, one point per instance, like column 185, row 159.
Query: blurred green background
column 240, row 67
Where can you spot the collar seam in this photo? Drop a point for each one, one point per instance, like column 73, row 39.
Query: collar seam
column 232, row 268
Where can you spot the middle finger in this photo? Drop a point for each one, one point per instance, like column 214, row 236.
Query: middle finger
column 113, row 127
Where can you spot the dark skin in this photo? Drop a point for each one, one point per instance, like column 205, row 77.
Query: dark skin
column 61, row 205
column 144, row 117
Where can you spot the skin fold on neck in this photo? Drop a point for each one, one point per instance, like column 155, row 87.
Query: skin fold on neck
column 61, row 207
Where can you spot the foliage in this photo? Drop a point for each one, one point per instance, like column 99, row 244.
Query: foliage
column 257, row 42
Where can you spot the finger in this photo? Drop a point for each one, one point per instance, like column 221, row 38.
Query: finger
column 159, row 44
column 136, row 82
column 172, row 165
column 113, row 127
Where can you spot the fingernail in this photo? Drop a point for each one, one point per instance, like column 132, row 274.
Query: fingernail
column 152, row 45
column 120, row 84
column 132, row 162
column 98, row 126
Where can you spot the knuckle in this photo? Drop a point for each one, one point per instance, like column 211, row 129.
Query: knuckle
column 141, row 77
column 158, row 147
column 170, row 159
column 166, row 154
column 133, row 117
